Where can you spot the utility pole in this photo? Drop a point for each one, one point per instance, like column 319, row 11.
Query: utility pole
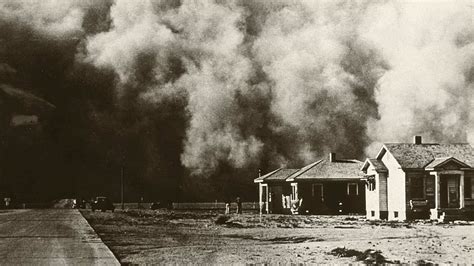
column 121, row 187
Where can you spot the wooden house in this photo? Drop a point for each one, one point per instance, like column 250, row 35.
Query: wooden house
column 327, row 186
column 418, row 180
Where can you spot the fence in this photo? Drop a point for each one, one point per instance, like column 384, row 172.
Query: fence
column 133, row 205
column 213, row 206
column 220, row 206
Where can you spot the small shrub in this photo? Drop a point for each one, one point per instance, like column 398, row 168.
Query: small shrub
column 369, row 256
column 222, row 219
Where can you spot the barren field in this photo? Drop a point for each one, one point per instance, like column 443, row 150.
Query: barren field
column 151, row 237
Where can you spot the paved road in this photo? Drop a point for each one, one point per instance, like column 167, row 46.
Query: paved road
column 48, row 237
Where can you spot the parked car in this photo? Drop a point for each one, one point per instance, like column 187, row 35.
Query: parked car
column 103, row 204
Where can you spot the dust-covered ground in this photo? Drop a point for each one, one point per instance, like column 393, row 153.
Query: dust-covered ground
column 150, row 237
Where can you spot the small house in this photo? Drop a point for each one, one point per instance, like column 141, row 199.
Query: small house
column 420, row 180
column 327, row 186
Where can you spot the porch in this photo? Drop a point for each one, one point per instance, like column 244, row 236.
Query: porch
column 275, row 198
column 453, row 199
column 330, row 196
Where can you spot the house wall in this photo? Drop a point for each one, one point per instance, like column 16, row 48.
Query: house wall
column 470, row 174
column 382, row 188
column 376, row 200
column 372, row 200
column 334, row 193
column 410, row 175
column 417, row 212
column 469, row 199
column 396, row 194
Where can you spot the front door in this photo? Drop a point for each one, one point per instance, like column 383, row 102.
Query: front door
column 264, row 198
column 275, row 198
column 449, row 191
column 317, row 197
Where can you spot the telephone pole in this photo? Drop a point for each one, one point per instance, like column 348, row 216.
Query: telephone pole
column 121, row 187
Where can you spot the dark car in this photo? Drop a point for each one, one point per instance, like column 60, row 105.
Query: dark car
column 103, row 204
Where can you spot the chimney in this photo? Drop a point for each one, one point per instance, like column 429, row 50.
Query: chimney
column 332, row 157
column 417, row 140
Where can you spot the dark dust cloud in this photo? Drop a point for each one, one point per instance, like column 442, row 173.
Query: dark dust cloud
column 191, row 98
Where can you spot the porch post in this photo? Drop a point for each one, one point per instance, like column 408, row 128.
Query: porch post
column 294, row 191
column 267, row 197
column 437, row 193
column 461, row 190
column 260, row 201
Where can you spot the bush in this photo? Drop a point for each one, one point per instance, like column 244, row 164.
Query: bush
column 222, row 219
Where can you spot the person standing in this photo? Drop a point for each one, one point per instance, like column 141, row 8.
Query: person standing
column 239, row 205
column 7, row 202
column 227, row 206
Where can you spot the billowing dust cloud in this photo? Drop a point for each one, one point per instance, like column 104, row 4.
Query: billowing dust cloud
column 428, row 86
column 279, row 82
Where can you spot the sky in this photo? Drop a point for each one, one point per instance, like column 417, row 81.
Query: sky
column 194, row 96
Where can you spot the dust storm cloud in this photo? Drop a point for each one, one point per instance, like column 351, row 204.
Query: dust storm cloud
column 181, row 90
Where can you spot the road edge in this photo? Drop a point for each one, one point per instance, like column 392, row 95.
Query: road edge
column 98, row 236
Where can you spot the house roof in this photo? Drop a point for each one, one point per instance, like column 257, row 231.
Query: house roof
column 377, row 164
column 325, row 169
column 280, row 174
column 261, row 178
column 437, row 162
column 302, row 170
column 411, row 155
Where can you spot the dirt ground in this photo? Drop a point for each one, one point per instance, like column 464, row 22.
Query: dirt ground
column 155, row 237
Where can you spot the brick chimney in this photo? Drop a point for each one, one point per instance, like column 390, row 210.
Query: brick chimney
column 417, row 140
column 332, row 157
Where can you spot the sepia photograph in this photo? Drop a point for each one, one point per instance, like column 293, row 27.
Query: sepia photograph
column 217, row 132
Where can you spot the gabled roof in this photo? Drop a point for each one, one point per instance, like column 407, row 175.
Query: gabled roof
column 302, row 170
column 378, row 165
column 439, row 162
column 261, row 178
column 280, row 174
column 326, row 169
column 410, row 155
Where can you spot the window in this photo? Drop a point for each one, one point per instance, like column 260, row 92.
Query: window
column 395, row 214
column 417, row 187
column 430, row 186
column 468, row 187
column 352, row 189
column 371, row 184
column 372, row 213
